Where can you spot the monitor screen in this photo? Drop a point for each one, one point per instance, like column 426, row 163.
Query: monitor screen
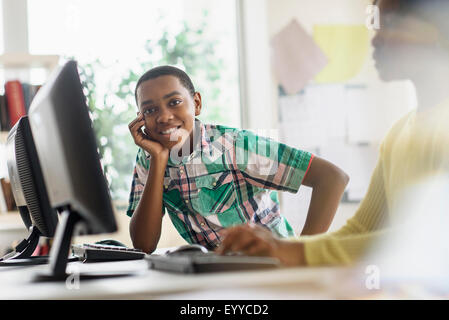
column 66, row 146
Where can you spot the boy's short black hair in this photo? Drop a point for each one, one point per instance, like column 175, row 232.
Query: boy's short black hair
column 166, row 71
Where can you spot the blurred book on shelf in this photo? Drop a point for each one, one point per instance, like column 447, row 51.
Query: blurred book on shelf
column 7, row 195
column 4, row 117
column 16, row 102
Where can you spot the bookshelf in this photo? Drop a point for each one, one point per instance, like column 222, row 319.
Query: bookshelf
column 16, row 63
column 9, row 63
column 11, row 220
column 23, row 61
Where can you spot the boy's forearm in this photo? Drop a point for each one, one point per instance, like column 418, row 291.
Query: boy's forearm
column 326, row 196
column 145, row 225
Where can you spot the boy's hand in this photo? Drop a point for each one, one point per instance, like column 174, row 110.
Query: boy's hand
column 254, row 240
column 154, row 148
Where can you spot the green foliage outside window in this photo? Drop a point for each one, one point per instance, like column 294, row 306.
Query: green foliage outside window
column 190, row 50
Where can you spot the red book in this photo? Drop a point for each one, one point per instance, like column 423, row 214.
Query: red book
column 8, row 195
column 15, row 101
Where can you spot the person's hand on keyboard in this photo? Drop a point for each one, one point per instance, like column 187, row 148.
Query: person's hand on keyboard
column 254, row 240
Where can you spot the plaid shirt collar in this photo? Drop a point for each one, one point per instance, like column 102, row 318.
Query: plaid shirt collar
column 201, row 144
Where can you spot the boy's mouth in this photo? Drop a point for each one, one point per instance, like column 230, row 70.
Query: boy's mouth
column 168, row 132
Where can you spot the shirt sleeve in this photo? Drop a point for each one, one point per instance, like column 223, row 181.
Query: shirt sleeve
column 351, row 242
column 269, row 164
column 140, row 174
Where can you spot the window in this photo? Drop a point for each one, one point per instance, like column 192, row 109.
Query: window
column 116, row 41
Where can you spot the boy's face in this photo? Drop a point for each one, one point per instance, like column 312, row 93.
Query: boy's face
column 169, row 110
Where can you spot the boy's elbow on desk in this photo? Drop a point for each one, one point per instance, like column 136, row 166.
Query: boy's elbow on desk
column 138, row 242
column 145, row 248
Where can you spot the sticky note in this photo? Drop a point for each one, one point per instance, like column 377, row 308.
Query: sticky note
column 346, row 48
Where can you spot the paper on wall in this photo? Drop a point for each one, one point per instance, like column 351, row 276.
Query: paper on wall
column 372, row 110
column 313, row 117
column 346, row 47
column 296, row 58
column 358, row 161
column 329, row 108
column 300, row 127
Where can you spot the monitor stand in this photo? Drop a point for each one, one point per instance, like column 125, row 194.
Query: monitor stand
column 22, row 254
column 60, row 249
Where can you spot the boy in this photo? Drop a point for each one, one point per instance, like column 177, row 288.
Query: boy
column 210, row 177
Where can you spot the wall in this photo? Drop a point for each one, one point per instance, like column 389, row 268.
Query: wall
column 383, row 103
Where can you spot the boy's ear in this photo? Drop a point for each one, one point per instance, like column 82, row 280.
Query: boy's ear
column 197, row 102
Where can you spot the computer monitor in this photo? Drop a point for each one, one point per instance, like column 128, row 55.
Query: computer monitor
column 30, row 194
column 68, row 155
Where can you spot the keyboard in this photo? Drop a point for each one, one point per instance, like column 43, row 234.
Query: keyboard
column 103, row 252
column 200, row 262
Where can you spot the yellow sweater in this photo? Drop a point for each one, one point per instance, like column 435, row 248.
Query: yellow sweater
column 415, row 148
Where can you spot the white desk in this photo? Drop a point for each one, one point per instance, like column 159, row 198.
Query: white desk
column 286, row 283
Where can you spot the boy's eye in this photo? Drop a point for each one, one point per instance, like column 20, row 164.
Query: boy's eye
column 175, row 102
column 148, row 111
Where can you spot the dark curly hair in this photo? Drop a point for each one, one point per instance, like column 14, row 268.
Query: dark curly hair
column 156, row 72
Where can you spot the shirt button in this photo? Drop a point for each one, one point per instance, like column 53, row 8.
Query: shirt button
column 214, row 184
column 187, row 201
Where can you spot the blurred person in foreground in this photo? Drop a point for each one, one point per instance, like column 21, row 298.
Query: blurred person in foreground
column 411, row 178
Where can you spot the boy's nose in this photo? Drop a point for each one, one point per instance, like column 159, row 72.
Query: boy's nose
column 164, row 116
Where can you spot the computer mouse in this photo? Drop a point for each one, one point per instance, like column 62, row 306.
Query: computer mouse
column 187, row 248
column 111, row 242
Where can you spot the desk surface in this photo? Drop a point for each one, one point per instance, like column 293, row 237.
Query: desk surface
column 143, row 283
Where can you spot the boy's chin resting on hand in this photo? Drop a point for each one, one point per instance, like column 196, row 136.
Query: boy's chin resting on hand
column 255, row 240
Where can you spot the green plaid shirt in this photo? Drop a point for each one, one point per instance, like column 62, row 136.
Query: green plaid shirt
column 231, row 177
